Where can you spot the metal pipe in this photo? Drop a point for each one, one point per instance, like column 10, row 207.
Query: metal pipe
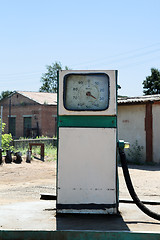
column 1, row 127
column 9, row 127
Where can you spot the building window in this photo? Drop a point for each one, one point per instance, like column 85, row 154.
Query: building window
column 27, row 125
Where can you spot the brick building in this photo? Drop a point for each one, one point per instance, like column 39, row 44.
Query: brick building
column 30, row 114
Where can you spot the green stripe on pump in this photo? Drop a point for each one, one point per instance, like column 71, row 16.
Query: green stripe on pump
column 88, row 121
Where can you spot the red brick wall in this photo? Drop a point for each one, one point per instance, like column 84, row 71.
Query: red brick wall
column 22, row 106
column 48, row 120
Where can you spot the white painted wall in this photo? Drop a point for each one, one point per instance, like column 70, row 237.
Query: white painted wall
column 131, row 126
column 156, row 132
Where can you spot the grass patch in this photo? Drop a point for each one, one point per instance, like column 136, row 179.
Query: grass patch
column 50, row 151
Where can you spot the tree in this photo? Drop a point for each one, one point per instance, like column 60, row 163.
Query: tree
column 152, row 83
column 49, row 79
column 5, row 94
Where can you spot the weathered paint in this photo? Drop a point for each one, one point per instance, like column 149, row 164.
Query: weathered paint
column 131, row 126
column 77, row 235
column 88, row 211
column 156, row 132
column 79, row 151
column 111, row 110
column 141, row 122
column 87, row 170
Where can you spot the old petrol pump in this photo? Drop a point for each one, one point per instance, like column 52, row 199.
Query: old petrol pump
column 87, row 145
column 87, row 142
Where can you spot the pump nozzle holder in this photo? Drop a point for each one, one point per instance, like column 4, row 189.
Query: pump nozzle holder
column 122, row 144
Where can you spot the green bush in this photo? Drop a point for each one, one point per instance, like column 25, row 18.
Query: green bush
column 135, row 153
column 6, row 142
column 6, row 139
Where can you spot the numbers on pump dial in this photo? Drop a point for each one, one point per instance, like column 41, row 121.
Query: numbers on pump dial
column 86, row 92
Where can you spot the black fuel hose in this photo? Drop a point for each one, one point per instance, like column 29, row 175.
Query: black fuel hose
column 131, row 189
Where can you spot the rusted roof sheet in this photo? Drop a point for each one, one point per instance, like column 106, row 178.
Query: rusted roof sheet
column 142, row 99
column 41, row 97
column 51, row 98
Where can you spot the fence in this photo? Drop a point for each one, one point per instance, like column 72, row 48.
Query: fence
column 24, row 143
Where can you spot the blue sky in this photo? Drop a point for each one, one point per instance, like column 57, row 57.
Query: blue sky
column 86, row 34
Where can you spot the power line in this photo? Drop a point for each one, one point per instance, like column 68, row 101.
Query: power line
column 20, row 74
column 122, row 54
column 127, row 58
column 107, row 60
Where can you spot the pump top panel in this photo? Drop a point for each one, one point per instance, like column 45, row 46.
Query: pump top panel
column 87, row 92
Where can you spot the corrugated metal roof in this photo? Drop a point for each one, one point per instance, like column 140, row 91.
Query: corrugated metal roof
column 40, row 97
column 51, row 98
column 142, row 99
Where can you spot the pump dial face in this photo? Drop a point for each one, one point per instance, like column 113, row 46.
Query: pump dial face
column 86, row 92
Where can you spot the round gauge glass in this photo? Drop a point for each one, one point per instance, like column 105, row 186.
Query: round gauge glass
column 86, row 92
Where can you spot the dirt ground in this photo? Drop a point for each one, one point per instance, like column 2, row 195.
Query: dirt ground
column 26, row 181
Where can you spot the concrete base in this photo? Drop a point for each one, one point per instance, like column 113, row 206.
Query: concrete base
column 41, row 215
